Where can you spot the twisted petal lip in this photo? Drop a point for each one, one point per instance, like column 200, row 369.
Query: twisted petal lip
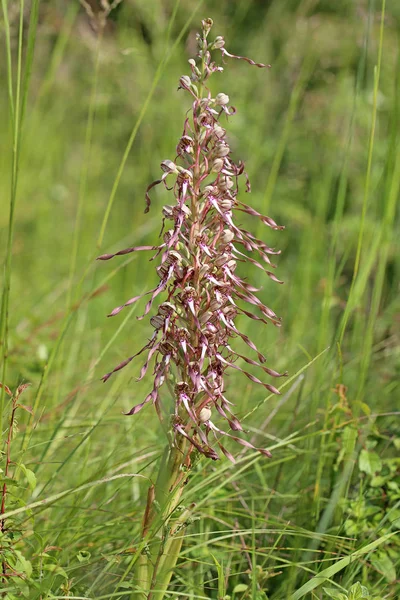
column 128, row 251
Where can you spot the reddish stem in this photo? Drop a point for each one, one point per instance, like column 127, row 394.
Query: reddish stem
column 6, row 473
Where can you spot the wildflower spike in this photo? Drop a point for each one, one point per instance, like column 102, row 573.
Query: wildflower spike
column 199, row 271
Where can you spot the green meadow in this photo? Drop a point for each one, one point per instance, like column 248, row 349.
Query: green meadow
column 86, row 120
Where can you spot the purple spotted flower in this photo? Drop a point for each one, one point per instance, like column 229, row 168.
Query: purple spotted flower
column 200, row 253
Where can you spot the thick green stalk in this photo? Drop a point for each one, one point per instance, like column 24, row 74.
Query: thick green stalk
column 170, row 555
column 155, row 565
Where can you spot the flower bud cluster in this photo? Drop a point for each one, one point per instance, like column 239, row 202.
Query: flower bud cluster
column 199, row 257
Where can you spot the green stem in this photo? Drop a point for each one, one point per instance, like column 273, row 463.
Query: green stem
column 170, row 556
column 155, row 567
column 17, row 111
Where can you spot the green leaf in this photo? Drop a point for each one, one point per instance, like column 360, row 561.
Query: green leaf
column 349, row 438
column 358, row 592
column 377, row 481
column 328, row 573
column 365, row 408
column 384, row 565
column 126, row 585
column 393, row 486
column 260, row 595
column 369, row 462
column 221, row 578
column 334, row 594
column 30, row 476
column 55, row 569
column 22, row 565
column 394, row 518
column 8, row 480
column 50, row 499
column 22, row 586
column 240, row 588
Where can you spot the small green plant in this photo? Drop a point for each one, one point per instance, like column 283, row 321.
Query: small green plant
column 374, row 505
column 16, row 570
column 23, row 571
column 356, row 592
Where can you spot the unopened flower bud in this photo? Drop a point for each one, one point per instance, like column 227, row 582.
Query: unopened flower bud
column 204, row 414
column 166, row 308
column 227, row 236
column 207, row 24
column 225, row 183
column 222, row 150
column 230, row 312
column 219, row 42
column 157, row 321
column 195, row 69
column 168, row 211
column 218, row 131
column 169, row 167
column 226, row 204
column 185, row 82
column 174, row 256
column 222, row 99
column 217, row 165
column 210, row 189
column 221, row 260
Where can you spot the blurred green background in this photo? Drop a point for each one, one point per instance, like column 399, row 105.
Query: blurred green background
column 102, row 113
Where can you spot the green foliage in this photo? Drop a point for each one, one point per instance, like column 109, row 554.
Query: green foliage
column 356, row 592
column 373, row 506
column 20, row 576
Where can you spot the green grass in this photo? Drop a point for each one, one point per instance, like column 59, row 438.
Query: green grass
column 90, row 122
